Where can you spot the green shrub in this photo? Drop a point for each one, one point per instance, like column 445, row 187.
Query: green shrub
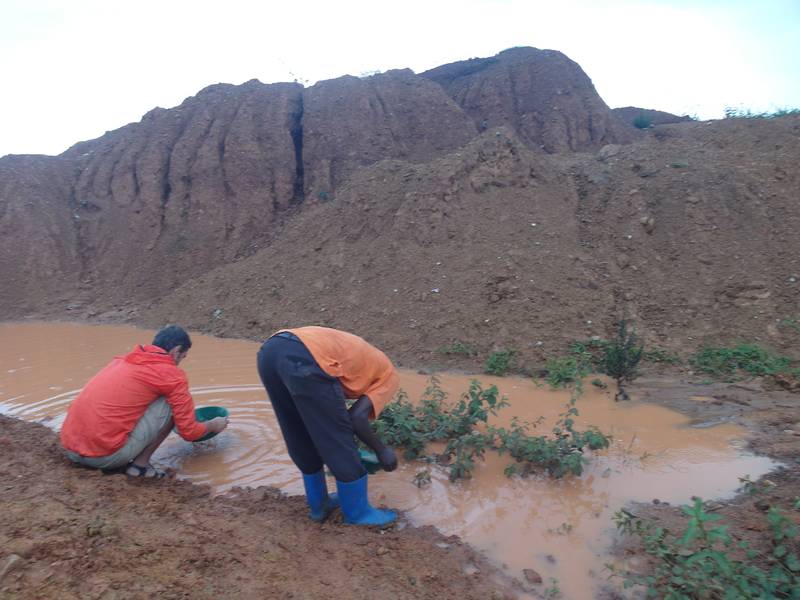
column 500, row 362
column 701, row 563
column 464, row 426
column 559, row 454
column 621, row 357
column 564, row 371
column 748, row 358
column 642, row 121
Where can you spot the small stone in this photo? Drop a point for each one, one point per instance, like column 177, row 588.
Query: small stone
column 95, row 527
column 656, row 501
column 608, row 151
column 12, row 562
column 382, row 550
column 532, row 576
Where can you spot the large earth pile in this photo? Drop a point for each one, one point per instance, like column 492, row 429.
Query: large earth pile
column 497, row 202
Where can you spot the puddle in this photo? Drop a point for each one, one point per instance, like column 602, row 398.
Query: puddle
column 562, row 529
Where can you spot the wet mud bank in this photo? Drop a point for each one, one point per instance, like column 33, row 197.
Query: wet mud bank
column 68, row 532
column 772, row 418
column 233, row 529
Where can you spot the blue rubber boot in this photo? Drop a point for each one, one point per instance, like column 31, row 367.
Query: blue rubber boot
column 356, row 507
column 320, row 504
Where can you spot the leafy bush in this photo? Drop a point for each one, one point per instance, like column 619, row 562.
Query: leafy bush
column 701, row 563
column 399, row 425
column 622, row 356
column 456, row 349
column 564, row 371
column 500, row 362
column 464, row 426
column 464, row 450
column 559, row 455
column 749, row 358
column 642, row 121
column 584, row 357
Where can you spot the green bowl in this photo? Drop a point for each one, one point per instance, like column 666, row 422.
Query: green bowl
column 370, row 461
column 206, row 413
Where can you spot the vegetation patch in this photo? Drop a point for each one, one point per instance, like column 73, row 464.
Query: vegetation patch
column 749, row 359
column 456, row 349
column 621, row 357
column 500, row 362
column 746, row 113
column 706, row 561
column 464, row 427
column 658, row 355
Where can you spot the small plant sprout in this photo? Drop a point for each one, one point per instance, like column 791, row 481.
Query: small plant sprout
column 553, row 591
column 422, row 478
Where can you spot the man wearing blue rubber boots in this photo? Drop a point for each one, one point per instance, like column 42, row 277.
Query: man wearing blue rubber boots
column 308, row 373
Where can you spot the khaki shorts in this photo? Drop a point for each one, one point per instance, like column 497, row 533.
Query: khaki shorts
column 154, row 419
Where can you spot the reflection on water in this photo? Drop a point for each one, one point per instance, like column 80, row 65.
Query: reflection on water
column 562, row 529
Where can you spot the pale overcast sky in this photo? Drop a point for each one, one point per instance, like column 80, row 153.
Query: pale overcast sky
column 73, row 69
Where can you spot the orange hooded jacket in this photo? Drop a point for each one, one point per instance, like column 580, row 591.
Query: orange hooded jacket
column 100, row 419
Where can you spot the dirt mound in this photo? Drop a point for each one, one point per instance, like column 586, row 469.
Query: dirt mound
column 89, row 535
column 629, row 114
column 376, row 205
column 156, row 203
column 352, row 122
column 546, row 97
column 690, row 232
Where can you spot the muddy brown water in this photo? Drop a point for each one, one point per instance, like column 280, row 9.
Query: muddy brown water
column 562, row 529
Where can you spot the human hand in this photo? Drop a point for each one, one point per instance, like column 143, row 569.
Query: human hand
column 388, row 459
column 217, row 424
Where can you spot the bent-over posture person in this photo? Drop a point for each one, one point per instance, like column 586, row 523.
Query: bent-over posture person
column 308, row 373
column 127, row 410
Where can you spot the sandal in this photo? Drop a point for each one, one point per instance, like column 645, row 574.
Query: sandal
column 146, row 472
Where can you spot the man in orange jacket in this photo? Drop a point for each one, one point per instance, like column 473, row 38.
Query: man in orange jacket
column 127, row 410
column 308, row 372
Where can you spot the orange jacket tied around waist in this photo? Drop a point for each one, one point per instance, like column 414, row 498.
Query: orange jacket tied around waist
column 361, row 368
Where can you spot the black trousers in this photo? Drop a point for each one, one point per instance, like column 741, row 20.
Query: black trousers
column 310, row 407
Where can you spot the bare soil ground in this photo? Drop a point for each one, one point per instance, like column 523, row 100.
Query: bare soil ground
column 68, row 532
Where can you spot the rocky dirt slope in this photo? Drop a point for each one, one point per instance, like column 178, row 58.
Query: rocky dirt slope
column 497, row 202
column 690, row 232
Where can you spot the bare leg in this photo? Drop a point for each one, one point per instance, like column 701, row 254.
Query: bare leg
column 144, row 457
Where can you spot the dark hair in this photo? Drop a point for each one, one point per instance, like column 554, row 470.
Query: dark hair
column 171, row 336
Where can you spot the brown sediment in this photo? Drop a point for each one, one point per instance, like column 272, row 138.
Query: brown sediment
column 561, row 529
column 79, row 534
